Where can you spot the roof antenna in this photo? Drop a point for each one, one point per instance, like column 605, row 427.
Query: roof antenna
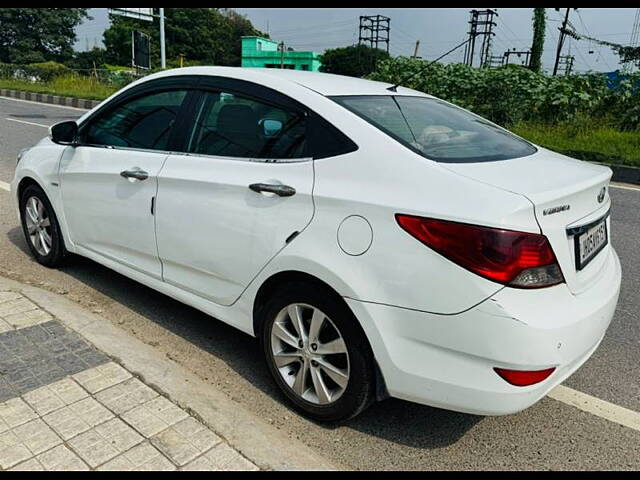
column 394, row 88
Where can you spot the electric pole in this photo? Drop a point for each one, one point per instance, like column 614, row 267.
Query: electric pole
column 281, row 47
column 163, row 53
column 374, row 29
column 484, row 19
column 563, row 32
column 415, row 50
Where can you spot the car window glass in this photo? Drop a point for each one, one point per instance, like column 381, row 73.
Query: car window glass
column 233, row 126
column 144, row 122
column 438, row 130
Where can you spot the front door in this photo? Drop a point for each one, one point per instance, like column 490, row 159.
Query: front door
column 110, row 180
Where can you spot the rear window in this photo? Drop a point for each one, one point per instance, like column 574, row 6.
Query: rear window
column 437, row 130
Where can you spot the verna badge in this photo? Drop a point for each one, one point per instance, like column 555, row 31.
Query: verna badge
column 601, row 194
column 558, row 209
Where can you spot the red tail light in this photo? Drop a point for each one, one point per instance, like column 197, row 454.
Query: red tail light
column 522, row 378
column 518, row 259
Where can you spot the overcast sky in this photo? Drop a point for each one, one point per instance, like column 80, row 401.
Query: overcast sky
column 438, row 30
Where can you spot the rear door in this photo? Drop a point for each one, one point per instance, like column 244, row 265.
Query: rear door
column 238, row 194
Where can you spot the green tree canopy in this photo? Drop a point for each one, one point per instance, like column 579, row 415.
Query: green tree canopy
column 354, row 61
column 202, row 35
column 31, row 35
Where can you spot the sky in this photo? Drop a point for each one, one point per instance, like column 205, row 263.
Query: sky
column 438, row 29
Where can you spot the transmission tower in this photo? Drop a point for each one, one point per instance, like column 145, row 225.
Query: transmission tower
column 374, row 29
column 480, row 24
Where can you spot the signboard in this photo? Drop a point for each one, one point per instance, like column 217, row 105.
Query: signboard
column 140, row 51
column 139, row 13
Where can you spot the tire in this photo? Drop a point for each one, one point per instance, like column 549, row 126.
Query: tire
column 340, row 399
column 37, row 215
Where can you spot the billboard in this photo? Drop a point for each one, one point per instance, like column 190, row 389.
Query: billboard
column 140, row 50
column 139, row 13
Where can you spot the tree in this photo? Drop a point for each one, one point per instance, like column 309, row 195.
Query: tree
column 31, row 35
column 354, row 61
column 204, row 35
column 539, row 20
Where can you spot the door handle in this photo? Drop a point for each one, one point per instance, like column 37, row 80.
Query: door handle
column 280, row 190
column 135, row 173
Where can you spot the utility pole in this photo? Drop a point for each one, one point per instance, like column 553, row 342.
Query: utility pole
column 526, row 53
column 163, row 53
column 484, row 19
column 415, row 50
column 563, row 32
column 374, row 29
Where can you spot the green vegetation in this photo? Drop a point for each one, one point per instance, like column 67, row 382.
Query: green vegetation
column 595, row 143
column 578, row 115
column 29, row 35
column 354, row 61
column 66, row 85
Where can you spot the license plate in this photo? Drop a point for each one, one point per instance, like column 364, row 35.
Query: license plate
column 590, row 243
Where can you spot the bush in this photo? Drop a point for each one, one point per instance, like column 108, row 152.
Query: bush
column 512, row 93
column 34, row 72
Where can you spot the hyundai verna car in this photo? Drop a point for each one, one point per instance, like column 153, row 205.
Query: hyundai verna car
column 377, row 242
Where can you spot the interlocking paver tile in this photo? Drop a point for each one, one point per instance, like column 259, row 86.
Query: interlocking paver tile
column 141, row 457
column 220, row 457
column 16, row 412
column 93, row 448
column 17, row 305
column 61, row 458
column 31, row 465
column 4, row 326
column 102, row 377
column 126, row 395
column 154, row 416
column 68, row 391
column 185, row 440
column 37, row 436
column 5, row 296
column 28, row 318
column 12, row 450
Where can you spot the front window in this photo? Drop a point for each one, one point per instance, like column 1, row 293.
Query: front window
column 437, row 130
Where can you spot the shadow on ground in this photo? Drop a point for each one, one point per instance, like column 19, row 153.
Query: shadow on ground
column 393, row 420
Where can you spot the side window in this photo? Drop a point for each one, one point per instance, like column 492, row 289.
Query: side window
column 144, row 122
column 233, row 126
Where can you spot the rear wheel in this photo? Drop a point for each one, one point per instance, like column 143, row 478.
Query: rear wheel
column 317, row 353
column 41, row 228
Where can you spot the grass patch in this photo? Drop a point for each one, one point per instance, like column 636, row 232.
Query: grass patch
column 585, row 140
column 67, row 86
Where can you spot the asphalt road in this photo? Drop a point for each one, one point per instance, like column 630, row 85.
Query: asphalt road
column 392, row 434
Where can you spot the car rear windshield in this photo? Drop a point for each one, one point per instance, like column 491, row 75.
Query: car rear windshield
column 437, row 130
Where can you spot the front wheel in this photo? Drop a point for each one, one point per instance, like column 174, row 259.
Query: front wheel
column 41, row 228
column 317, row 354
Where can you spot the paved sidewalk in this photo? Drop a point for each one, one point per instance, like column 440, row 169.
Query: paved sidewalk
column 65, row 405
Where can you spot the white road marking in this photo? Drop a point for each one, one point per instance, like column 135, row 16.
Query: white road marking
column 624, row 187
column 595, row 406
column 5, row 186
column 28, row 123
column 42, row 103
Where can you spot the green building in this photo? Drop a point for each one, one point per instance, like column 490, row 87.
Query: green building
column 264, row 53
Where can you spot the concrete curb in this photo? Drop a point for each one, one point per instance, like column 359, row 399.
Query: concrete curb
column 46, row 98
column 624, row 173
column 263, row 444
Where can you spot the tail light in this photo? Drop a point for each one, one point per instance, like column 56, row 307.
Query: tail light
column 517, row 259
column 524, row 378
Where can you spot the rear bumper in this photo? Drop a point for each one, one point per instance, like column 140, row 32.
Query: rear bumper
column 447, row 361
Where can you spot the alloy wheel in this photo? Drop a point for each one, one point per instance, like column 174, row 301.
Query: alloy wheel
column 38, row 225
column 310, row 354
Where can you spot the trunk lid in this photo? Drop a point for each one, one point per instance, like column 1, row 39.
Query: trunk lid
column 566, row 194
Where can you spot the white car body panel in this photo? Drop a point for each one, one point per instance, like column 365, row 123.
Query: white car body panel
column 436, row 329
column 214, row 234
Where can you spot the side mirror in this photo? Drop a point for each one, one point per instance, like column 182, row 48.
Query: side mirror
column 64, row 133
column 271, row 128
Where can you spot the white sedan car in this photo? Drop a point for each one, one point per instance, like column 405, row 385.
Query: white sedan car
column 377, row 242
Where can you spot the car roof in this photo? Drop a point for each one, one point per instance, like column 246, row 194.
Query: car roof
column 323, row 83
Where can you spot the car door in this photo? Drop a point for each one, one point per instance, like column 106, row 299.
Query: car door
column 109, row 180
column 242, row 190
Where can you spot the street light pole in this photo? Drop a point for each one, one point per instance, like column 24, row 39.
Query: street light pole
column 163, row 54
